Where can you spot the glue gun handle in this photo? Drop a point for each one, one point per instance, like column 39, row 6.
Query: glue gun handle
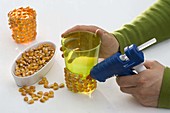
column 140, row 67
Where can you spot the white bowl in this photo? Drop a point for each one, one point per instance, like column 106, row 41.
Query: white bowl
column 32, row 79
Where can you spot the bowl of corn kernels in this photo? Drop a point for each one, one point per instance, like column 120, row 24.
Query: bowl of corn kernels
column 33, row 63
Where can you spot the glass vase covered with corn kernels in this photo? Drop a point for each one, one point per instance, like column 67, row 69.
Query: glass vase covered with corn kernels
column 22, row 22
column 80, row 50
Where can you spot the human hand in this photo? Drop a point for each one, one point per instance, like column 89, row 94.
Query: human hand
column 109, row 44
column 146, row 85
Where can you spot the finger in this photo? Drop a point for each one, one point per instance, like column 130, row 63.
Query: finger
column 129, row 90
column 127, row 81
column 151, row 64
column 79, row 28
column 148, row 64
column 82, row 28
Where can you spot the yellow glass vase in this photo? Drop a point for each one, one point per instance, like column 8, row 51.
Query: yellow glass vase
column 80, row 51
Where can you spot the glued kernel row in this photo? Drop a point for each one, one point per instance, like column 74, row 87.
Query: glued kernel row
column 77, row 84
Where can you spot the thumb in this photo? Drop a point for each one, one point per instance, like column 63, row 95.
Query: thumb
column 147, row 64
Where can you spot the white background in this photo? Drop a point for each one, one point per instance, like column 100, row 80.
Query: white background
column 53, row 18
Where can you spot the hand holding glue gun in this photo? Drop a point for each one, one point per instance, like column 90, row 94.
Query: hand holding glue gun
column 119, row 64
column 145, row 85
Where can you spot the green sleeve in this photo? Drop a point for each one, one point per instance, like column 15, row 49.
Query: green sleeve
column 164, row 97
column 152, row 23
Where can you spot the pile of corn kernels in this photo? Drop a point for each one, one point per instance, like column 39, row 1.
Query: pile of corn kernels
column 33, row 60
column 31, row 95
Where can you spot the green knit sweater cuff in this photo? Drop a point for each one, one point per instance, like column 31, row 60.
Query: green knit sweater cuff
column 121, row 40
column 164, row 98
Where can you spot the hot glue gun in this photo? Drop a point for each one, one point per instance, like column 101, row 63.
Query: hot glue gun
column 121, row 64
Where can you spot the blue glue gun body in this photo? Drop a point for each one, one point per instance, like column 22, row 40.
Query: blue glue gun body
column 118, row 64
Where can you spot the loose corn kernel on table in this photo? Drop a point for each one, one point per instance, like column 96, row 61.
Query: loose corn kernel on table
column 53, row 18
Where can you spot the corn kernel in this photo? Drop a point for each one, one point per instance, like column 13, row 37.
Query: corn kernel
column 41, row 82
column 25, row 87
column 51, row 92
column 51, row 85
column 50, row 95
column 61, row 85
column 45, row 97
column 25, row 99
column 31, row 101
column 44, row 78
column 55, row 88
column 30, row 93
column 42, row 100
column 40, row 92
column 55, row 84
column 46, row 94
column 23, row 93
column 32, row 87
column 33, row 95
column 21, row 90
column 46, row 85
column 35, row 98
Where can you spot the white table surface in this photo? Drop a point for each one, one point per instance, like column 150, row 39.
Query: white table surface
column 53, row 18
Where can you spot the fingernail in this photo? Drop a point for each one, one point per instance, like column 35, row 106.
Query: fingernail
column 63, row 35
column 96, row 32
